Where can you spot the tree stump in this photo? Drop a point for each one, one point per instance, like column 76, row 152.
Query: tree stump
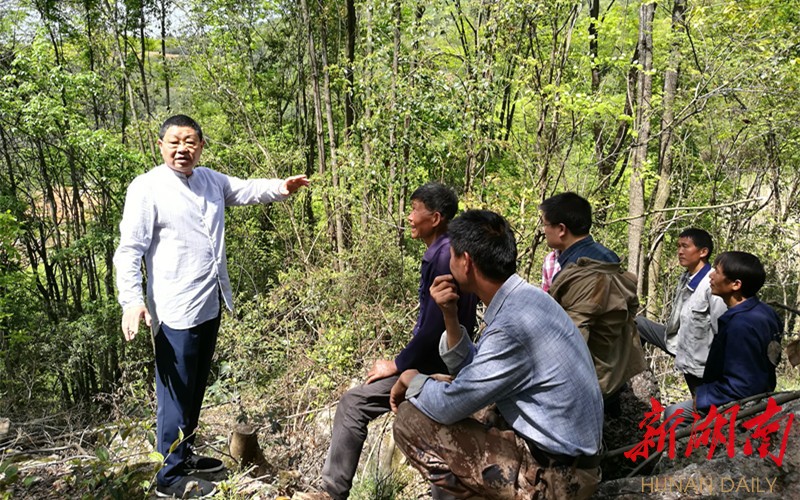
column 245, row 449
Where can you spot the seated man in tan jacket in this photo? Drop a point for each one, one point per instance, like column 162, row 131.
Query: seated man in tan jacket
column 596, row 292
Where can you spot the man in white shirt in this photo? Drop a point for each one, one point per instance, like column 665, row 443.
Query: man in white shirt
column 174, row 217
column 692, row 322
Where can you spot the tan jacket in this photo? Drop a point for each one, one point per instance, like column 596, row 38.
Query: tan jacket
column 600, row 297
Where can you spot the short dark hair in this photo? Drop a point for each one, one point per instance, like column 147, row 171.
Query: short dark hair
column 488, row 239
column 179, row 121
column 570, row 209
column 744, row 267
column 437, row 198
column 700, row 238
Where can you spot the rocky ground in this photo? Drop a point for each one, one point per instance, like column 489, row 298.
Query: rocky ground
column 119, row 463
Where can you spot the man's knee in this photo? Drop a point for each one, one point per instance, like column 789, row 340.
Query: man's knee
column 640, row 323
column 404, row 422
column 350, row 400
column 409, row 425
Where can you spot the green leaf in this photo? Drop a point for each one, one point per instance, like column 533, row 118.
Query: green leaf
column 125, row 432
column 101, row 452
column 11, row 474
column 177, row 441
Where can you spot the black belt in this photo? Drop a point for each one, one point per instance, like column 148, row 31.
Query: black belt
column 547, row 459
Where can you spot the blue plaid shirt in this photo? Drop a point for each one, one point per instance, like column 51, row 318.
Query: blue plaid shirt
column 532, row 361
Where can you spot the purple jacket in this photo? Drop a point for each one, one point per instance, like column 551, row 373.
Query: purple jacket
column 422, row 353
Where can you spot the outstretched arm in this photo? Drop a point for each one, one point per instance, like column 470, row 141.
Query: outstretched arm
column 293, row 183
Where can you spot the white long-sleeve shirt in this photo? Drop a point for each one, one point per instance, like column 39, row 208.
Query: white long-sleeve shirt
column 177, row 223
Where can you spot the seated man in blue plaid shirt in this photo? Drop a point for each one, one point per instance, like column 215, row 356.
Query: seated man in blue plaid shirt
column 531, row 367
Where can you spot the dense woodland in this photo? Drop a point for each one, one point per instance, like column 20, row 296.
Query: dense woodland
column 665, row 115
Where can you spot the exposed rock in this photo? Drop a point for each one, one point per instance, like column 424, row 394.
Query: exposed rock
column 5, row 424
column 621, row 431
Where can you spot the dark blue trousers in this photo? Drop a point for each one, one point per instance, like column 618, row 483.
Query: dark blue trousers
column 183, row 362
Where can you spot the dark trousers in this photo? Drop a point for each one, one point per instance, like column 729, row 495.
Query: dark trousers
column 183, row 362
column 653, row 333
column 357, row 408
column 692, row 381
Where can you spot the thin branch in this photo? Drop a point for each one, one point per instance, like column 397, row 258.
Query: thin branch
column 676, row 209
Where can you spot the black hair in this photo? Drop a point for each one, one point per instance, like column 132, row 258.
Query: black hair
column 569, row 209
column 488, row 239
column 700, row 238
column 437, row 198
column 744, row 267
column 179, row 121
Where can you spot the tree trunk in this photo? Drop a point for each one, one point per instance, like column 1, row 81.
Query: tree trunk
column 393, row 114
column 338, row 209
column 305, row 133
column 312, row 62
column 245, row 449
column 606, row 157
column 665, row 157
column 163, row 19
column 366, row 138
column 639, row 152
column 141, row 60
column 349, row 112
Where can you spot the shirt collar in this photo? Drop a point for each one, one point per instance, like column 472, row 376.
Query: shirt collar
column 698, row 276
column 179, row 175
column 511, row 284
column 441, row 241
column 743, row 306
column 583, row 242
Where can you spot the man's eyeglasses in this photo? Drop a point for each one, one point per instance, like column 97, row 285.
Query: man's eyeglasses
column 191, row 146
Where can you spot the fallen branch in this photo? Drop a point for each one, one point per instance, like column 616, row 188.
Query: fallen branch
column 57, row 462
column 7, row 454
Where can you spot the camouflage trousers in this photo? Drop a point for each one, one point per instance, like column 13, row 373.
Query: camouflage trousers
column 478, row 457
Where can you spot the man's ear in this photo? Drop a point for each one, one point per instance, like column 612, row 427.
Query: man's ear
column 562, row 230
column 469, row 265
column 704, row 254
column 736, row 285
column 437, row 219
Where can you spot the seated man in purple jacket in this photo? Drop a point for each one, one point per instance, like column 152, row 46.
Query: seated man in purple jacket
column 746, row 350
column 433, row 206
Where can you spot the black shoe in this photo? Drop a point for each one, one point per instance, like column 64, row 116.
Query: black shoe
column 187, row 487
column 198, row 463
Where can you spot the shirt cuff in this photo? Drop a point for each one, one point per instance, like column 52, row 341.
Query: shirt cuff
column 454, row 357
column 415, row 387
column 127, row 301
